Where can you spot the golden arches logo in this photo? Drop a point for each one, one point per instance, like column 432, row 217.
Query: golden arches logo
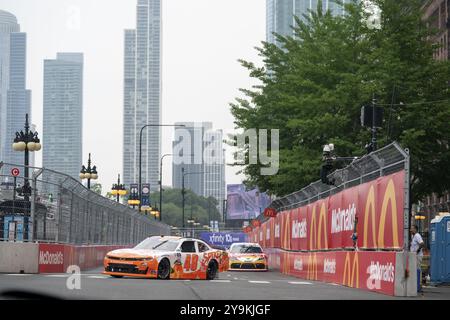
column 350, row 273
column 315, row 240
column 312, row 267
column 389, row 197
column 286, row 263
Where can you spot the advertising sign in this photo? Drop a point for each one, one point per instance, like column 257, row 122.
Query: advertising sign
column 145, row 195
column 223, row 239
column 375, row 208
column 51, row 258
column 134, row 193
column 243, row 204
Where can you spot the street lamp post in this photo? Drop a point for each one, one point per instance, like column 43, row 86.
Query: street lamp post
column 25, row 142
column 140, row 153
column 161, row 185
column 118, row 189
column 89, row 173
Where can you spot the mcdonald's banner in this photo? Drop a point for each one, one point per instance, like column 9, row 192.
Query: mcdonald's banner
column 373, row 271
column 329, row 223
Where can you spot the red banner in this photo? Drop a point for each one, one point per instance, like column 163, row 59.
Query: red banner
column 56, row 258
column 51, row 258
column 374, row 271
column 329, row 223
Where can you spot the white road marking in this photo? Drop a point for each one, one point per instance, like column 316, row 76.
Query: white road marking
column 252, row 281
column 225, row 281
column 56, row 275
column 98, row 277
column 18, row 274
column 300, row 282
column 235, row 278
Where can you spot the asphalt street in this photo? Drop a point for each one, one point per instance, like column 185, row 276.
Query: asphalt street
column 230, row 286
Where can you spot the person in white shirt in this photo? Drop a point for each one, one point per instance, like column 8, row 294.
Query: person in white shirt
column 417, row 246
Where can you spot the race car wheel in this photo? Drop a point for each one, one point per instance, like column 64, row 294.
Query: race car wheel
column 212, row 271
column 164, row 269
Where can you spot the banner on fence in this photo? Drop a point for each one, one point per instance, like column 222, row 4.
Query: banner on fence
column 329, row 223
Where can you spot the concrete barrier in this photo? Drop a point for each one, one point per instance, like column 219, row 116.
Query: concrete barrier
column 16, row 257
column 56, row 258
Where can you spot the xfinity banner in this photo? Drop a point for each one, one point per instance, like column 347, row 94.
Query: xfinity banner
column 223, row 239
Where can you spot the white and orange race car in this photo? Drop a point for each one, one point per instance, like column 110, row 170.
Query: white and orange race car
column 165, row 257
column 247, row 256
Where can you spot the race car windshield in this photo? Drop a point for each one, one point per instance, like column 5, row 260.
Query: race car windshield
column 157, row 243
column 246, row 249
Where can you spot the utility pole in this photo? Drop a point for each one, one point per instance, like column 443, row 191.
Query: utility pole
column 374, row 127
column 182, row 192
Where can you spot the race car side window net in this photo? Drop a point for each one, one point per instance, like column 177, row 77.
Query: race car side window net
column 188, row 246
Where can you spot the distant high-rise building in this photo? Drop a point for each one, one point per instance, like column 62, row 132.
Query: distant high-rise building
column 15, row 99
column 280, row 14
column 63, row 114
column 142, row 95
column 199, row 150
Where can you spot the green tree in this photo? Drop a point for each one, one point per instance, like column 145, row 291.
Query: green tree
column 97, row 188
column 195, row 205
column 312, row 88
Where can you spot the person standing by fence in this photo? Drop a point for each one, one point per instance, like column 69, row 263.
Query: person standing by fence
column 417, row 246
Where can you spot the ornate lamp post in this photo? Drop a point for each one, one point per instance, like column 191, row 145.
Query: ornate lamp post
column 26, row 141
column 118, row 189
column 89, row 173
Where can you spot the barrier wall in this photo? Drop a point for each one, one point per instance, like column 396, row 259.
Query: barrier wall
column 374, row 271
column 314, row 241
column 16, row 257
column 56, row 258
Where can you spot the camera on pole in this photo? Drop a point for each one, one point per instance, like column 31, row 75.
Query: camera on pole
column 327, row 163
column 329, row 159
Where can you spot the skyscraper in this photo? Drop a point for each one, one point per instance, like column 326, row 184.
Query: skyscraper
column 63, row 114
column 199, row 150
column 15, row 99
column 142, row 95
column 280, row 14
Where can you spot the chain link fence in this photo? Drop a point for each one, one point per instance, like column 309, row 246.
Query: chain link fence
column 385, row 161
column 59, row 209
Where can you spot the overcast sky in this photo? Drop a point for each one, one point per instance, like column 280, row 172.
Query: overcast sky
column 202, row 40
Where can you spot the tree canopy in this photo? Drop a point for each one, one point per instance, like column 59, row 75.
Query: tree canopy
column 313, row 85
column 200, row 208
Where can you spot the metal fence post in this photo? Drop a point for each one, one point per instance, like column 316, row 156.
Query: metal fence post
column 35, row 175
column 406, row 219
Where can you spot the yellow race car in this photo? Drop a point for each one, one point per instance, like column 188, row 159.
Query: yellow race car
column 247, row 256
